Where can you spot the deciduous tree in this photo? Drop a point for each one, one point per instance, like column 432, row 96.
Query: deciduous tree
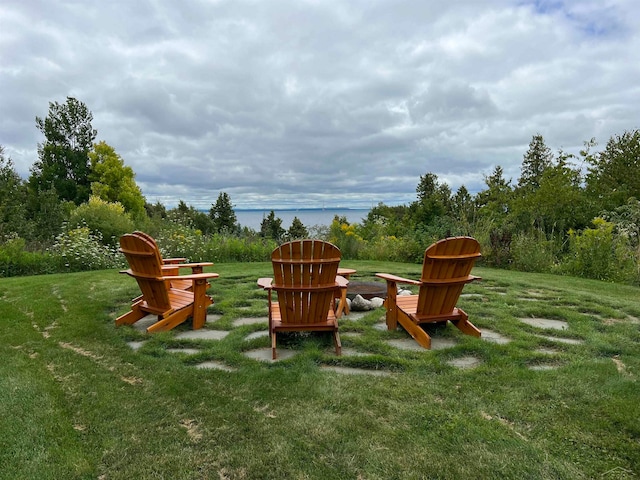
column 112, row 181
column 63, row 158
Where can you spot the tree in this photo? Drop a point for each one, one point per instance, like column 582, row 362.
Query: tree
column 63, row 158
column 557, row 205
column 537, row 159
column 12, row 200
column 493, row 203
column 434, row 200
column 614, row 174
column 463, row 207
column 188, row 216
column 222, row 214
column 297, row 230
column 271, row 227
column 112, row 181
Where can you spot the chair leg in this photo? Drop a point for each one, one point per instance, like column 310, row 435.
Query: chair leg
column 465, row 326
column 200, row 303
column 130, row 317
column 274, row 353
column 170, row 322
column 415, row 331
column 336, row 340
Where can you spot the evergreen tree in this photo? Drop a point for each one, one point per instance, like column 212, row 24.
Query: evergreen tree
column 297, row 230
column 222, row 214
column 614, row 174
column 537, row 159
column 271, row 227
column 493, row 203
column 12, row 200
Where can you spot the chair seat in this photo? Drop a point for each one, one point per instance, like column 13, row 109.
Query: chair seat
column 329, row 324
column 409, row 305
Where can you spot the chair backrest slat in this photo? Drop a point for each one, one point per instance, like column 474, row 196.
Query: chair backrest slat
column 305, row 279
column 449, row 262
column 145, row 264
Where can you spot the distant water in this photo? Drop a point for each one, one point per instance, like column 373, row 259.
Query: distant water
column 308, row 216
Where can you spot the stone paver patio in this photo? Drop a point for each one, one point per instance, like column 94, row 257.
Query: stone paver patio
column 210, row 334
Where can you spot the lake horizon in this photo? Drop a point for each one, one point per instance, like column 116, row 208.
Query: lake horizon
column 252, row 217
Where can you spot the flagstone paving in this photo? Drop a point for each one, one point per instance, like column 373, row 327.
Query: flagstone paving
column 407, row 344
column 545, row 323
column 202, row 334
column 465, row 362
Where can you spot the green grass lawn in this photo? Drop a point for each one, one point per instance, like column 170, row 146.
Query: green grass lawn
column 76, row 401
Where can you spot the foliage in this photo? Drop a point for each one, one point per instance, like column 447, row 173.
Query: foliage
column 63, row 158
column 47, row 214
column 189, row 217
column 112, row 181
column 297, row 230
column 222, row 215
column 81, row 250
column 614, row 174
column 105, row 220
column 271, row 227
column 344, row 236
column 534, row 163
column 13, row 209
column 532, row 252
column 600, row 254
column 15, row 260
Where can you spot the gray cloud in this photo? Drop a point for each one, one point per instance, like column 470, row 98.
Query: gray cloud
column 306, row 103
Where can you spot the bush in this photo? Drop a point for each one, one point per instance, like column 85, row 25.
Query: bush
column 390, row 248
column 81, row 250
column 105, row 220
column 532, row 252
column 16, row 261
column 599, row 253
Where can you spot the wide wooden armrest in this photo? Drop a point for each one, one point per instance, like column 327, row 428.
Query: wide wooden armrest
column 265, row 283
column 341, row 281
column 190, row 265
column 192, row 276
column 395, row 279
column 173, row 261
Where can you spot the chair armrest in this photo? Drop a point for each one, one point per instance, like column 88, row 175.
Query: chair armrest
column 189, row 265
column 192, row 276
column 341, row 281
column 173, row 261
column 265, row 283
column 395, row 279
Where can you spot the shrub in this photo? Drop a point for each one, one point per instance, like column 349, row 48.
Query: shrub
column 105, row 220
column 16, row 261
column 599, row 253
column 82, row 250
column 532, row 252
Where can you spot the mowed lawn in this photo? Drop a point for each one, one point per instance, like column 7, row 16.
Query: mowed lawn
column 550, row 392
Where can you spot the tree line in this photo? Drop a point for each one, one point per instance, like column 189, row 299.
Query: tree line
column 566, row 213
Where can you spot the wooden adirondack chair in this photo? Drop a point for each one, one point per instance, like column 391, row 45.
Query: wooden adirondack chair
column 445, row 271
column 172, row 266
column 305, row 281
column 172, row 305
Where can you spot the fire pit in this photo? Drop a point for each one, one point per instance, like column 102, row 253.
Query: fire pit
column 366, row 290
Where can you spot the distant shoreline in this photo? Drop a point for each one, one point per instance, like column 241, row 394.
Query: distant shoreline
column 319, row 209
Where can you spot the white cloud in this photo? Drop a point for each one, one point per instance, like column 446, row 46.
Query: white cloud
column 320, row 103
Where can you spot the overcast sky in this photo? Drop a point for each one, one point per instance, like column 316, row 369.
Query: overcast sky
column 314, row 103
